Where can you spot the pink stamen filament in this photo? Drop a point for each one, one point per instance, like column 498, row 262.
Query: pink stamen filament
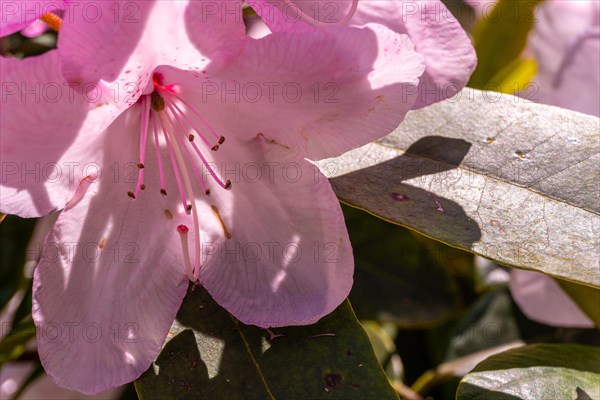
column 158, row 157
column 175, row 124
column 189, row 191
column 143, row 142
column 181, row 129
column 224, row 185
column 193, row 111
column 313, row 21
column 161, row 119
column 190, row 123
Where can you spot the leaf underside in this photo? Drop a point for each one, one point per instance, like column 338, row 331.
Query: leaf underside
column 493, row 174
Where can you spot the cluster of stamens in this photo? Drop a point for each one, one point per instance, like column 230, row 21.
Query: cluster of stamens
column 162, row 114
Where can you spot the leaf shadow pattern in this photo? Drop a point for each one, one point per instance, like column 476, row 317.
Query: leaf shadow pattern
column 428, row 161
column 213, row 356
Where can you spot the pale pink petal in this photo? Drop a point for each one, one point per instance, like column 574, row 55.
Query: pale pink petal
column 256, row 28
column 111, row 278
column 17, row 15
column 286, row 259
column 128, row 40
column 321, row 94
column 280, row 16
column 302, row 15
column 483, row 8
column 541, row 299
column 48, row 135
column 437, row 35
column 566, row 44
column 14, row 374
column 36, row 28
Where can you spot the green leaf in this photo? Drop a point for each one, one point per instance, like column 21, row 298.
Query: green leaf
column 587, row 298
column 500, row 38
column 210, row 355
column 489, row 323
column 15, row 233
column 513, row 181
column 411, row 287
column 539, row 371
column 13, row 345
column 515, row 77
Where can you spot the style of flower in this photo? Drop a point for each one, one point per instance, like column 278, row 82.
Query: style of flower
column 222, row 194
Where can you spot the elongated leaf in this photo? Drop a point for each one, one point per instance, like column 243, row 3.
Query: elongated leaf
column 500, row 38
column 512, row 181
column 587, row 298
column 212, row 356
column 13, row 345
column 540, row 371
column 411, row 287
column 15, row 233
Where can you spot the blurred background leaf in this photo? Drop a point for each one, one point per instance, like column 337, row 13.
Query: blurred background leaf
column 397, row 278
column 499, row 41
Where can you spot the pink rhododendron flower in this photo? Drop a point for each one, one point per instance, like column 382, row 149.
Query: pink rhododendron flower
column 565, row 41
column 541, row 299
column 24, row 15
column 437, row 35
column 176, row 152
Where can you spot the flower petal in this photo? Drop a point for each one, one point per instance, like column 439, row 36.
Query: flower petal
column 321, row 94
column 566, row 44
column 286, row 258
column 437, row 35
column 541, row 299
column 48, row 137
column 17, row 15
column 302, row 15
column 111, row 278
column 125, row 42
column 14, row 374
